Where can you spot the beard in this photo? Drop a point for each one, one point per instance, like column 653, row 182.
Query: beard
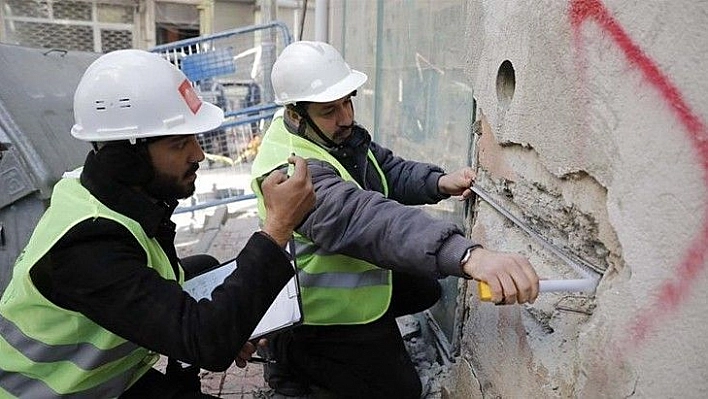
column 342, row 134
column 169, row 187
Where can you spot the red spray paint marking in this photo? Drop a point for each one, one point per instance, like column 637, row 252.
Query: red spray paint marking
column 671, row 293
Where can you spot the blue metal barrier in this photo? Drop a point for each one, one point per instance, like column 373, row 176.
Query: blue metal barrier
column 209, row 204
column 231, row 69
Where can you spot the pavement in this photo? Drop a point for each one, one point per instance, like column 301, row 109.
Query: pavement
column 222, row 232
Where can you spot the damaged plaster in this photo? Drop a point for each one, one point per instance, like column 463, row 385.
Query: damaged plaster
column 592, row 148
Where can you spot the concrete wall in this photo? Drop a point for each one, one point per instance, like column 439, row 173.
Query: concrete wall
column 600, row 143
column 231, row 15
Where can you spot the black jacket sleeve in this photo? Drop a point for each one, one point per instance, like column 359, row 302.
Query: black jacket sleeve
column 98, row 269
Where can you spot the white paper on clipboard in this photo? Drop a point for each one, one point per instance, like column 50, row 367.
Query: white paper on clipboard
column 284, row 312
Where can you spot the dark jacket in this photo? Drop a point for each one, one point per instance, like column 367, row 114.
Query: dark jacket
column 99, row 269
column 366, row 225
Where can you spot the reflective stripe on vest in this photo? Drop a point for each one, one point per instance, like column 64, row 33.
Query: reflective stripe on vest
column 48, row 351
column 20, row 385
column 304, row 249
column 336, row 289
column 84, row 355
column 344, row 280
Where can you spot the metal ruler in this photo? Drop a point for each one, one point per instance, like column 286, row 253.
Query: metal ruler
column 590, row 272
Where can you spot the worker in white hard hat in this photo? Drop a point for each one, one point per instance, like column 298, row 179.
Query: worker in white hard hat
column 96, row 296
column 364, row 255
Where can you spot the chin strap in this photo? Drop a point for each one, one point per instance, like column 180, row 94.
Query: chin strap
column 304, row 120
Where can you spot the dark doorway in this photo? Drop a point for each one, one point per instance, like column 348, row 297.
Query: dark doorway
column 168, row 33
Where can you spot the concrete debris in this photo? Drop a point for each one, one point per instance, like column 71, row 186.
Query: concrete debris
column 577, row 304
column 426, row 355
column 409, row 326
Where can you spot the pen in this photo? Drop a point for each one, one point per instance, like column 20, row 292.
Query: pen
column 255, row 359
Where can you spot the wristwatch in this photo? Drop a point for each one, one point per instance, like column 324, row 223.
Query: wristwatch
column 466, row 256
column 464, row 260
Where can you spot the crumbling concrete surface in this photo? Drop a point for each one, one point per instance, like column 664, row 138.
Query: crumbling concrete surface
column 591, row 129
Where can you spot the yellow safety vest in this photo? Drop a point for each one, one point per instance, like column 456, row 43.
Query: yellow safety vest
column 336, row 289
column 47, row 351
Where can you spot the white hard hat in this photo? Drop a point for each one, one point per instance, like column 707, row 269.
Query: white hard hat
column 313, row 72
column 132, row 94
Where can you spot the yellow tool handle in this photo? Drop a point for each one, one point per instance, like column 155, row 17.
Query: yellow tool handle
column 581, row 285
column 485, row 293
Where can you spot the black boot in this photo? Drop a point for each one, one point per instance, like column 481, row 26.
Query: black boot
column 184, row 375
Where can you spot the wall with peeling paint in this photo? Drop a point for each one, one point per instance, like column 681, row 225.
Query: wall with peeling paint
column 598, row 141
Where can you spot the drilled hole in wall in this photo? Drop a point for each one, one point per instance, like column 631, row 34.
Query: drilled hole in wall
column 506, row 83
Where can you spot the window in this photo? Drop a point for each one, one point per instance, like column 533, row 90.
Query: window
column 87, row 25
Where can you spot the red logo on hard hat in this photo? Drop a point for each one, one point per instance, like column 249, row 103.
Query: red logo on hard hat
column 190, row 96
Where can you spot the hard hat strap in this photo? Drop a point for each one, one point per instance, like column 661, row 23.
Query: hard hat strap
column 304, row 115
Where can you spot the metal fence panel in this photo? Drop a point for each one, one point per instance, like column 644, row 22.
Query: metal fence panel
column 231, row 69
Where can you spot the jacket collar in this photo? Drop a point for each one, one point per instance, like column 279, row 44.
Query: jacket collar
column 149, row 213
column 357, row 143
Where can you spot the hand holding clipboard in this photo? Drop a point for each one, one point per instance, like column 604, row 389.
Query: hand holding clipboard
column 284, row 312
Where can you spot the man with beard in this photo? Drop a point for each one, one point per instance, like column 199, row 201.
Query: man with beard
column 96, row 294
column 365, row 255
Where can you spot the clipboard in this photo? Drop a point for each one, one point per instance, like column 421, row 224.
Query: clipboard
column 285, row 311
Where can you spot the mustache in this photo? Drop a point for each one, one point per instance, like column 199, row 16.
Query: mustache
column 343, row 129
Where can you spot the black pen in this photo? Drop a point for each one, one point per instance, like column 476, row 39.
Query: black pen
column 255, row 359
